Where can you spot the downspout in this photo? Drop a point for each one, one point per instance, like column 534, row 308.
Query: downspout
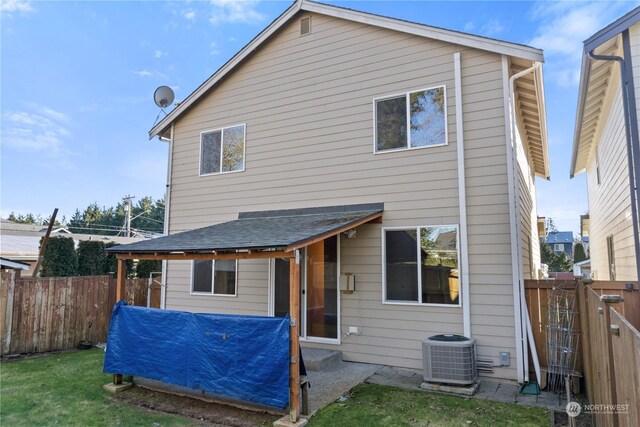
column 167, row 203
column 519, row 302
column 462, row 200
column 631, row 131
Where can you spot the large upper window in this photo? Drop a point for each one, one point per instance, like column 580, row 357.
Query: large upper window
column 421, row 265
column 222, row 150
column 411, row 120
column 214, row 277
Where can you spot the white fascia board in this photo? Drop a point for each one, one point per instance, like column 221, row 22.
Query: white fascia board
column 542, row 112
column 582, row 94
column 225, row 69
column 463, row 39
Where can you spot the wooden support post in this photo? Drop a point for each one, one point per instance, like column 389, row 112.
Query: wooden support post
column 120, row 295
column 294, row 312
column 122, row 277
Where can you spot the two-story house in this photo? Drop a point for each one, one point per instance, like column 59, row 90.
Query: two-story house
column 606, row 146
column 399, row 158
column 561, row 242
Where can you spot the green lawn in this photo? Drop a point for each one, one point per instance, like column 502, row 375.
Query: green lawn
column 375, row 405
column 66, row 389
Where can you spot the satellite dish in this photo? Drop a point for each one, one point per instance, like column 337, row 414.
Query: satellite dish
column 163, row 96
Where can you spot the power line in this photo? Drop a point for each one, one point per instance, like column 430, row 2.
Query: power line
column 151, row 219
column 109, row 229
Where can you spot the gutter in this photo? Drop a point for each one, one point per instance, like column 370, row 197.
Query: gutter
column 167, row 204
column 523, row 322
column 462, row 201
column 631, row 130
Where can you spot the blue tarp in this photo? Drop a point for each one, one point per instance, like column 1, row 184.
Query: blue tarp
column 241, row 357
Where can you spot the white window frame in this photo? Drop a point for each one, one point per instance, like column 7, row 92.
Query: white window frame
column 213, row 278
column 558, row 247
column 384, row 267
column 244, row 151
column 408, row 107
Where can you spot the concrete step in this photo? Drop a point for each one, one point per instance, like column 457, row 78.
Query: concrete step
column 320, row 359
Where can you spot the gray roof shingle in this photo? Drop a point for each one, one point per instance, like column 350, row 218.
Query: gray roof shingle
column 258, row 230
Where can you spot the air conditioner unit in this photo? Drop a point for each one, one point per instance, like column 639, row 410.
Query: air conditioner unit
column 449, row 358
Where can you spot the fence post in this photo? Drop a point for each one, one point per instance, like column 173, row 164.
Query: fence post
column 608, row 300
column 9, row 280
column 585, row 328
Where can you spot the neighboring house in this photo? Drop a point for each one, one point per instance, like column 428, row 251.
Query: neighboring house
column 329, row 108
column 21, row 242
column 606, row 143
column 582, row 269
column 561, row 242
column 7, row 264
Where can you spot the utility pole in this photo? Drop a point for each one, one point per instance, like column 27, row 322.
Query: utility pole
column 127, row 212
column 43, row 247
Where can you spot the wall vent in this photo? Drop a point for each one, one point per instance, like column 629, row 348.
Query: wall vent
column 305, row 25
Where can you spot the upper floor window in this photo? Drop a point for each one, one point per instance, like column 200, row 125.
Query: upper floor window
column 421, row 265
column 222, row 150
column 411, row 120
column 558, row 247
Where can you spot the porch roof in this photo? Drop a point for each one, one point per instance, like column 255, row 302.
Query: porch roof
column 279, row 230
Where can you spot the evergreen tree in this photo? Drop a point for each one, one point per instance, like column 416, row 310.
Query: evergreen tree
column 562, row 263
column 92, row 259
column 556, row 263
column 146, row 267
column 547, row 256
column 60, row 258
column 578, row 253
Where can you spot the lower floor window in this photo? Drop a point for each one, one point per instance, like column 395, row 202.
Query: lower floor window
column 214, row 277
column 421, row 265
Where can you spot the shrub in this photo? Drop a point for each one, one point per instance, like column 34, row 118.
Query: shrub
column 60, row 258
column 92, row 259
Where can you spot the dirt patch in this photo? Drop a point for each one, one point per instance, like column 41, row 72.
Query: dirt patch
column 201, row 412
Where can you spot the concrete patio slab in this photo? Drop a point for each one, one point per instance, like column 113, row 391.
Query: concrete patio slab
column 328, row 385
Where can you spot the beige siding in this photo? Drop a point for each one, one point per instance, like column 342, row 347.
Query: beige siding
column 609, row 200
column 308, row 106
column 529, row 239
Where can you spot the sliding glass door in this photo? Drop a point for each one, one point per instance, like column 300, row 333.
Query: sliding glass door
column 319, row 303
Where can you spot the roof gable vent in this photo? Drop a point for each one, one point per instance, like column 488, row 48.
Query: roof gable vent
column 305, row 25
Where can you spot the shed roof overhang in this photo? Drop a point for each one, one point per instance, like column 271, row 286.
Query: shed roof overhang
column 267, row 234
column 595, row 79
column 515, row 50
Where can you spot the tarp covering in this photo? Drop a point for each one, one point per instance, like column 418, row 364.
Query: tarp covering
column 241, row 357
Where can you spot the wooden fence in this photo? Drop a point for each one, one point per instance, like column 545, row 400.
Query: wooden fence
column 609, row 353
column 611, row 347
column 45, row 314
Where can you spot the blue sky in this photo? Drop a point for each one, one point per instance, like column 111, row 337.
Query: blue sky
column 77, row 80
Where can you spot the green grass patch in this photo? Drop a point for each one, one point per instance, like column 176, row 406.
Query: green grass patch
column 376, row 405
column 66, row 389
